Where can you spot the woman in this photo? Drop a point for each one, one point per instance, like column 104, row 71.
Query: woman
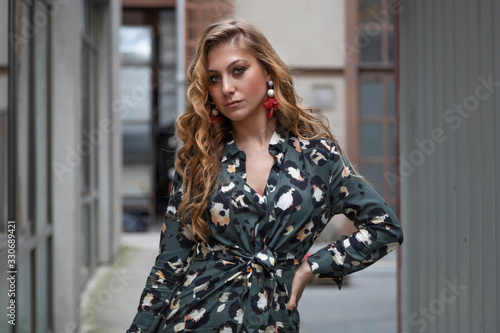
column 257, row 180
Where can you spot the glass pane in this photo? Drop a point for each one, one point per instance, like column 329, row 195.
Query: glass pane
column 167, row 101
column 4, row 27
column 371, row 46
column 372, row 99
column 392, row 140
column 23, row 133
column 391, row 10
column 390, row 45
column 3, row 172
column 372, row 140
column 4, row 82
column 391, row 98
column 41, row 142
column 42, row 285
column 85, row 240
column 369, row 10
column 167, row 42
column 136, row 142
column 136, row 45
column 391, row 184
column 84, row 147
column 136, row 93
column 374, row 173
column 86, row 18
column 24, row 292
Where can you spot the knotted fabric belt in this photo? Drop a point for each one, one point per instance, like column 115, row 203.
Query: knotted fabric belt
column 266, row 275
column 264, row 260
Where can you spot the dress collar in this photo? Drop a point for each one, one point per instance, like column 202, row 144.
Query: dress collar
column 277, row 143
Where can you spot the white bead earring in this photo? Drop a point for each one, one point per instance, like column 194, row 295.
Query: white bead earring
column 270, row 91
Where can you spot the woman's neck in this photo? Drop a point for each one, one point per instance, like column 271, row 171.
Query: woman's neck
column 253, row 136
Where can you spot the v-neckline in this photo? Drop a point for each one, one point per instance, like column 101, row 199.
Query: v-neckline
column 276, row 147
column 245, row 178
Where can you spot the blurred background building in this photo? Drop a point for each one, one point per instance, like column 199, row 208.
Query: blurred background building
column 89, row 92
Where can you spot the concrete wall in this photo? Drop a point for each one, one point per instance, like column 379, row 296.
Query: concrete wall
column 450, row 158
column 66, row 77
column 304, row 33
column 335, row 114
column 66, row 126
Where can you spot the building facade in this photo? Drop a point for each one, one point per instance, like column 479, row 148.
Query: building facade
column 449, row 160
column 60, row 156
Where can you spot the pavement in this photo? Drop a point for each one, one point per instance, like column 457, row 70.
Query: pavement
column 366, row 303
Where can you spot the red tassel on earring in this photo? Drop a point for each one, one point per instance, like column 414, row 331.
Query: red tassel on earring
column 270, row 104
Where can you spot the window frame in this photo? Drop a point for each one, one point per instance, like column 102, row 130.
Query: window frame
column 386, row 120
column 89, row 182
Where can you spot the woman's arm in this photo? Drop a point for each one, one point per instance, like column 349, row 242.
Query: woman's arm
column 176, row 248
column 379, row 231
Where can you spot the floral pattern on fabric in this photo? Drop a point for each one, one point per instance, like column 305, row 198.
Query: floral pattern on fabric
column 239, row 279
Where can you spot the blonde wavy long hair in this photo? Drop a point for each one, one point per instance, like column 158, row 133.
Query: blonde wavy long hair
column 198, row 159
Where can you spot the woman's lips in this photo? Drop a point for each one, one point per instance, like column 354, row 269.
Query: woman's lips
column 232, row 104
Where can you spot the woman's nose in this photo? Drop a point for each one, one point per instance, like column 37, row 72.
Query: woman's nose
column 227, row 86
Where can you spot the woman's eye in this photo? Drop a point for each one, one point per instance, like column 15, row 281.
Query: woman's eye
column 214, row 79
column 239, row 70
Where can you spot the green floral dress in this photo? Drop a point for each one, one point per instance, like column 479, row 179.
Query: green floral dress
column 239, row 279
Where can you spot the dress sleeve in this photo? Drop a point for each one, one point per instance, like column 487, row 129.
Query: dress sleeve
column 379, row 231
column 173, row 260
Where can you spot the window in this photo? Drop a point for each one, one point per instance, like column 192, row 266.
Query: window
column 136, row 46
column 376, row 120
column 25, row 157
column 378, row 131
column 376, row 31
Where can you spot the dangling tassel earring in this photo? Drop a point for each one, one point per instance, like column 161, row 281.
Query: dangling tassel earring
column 270, row 103
column 215, row 117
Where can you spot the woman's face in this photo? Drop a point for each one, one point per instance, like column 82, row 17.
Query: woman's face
column 238, row 82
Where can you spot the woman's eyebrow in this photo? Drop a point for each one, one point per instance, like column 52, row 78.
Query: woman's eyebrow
column 227, row 67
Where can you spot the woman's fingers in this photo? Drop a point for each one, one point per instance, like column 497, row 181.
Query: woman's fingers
column 300, row 280
column 291, row 303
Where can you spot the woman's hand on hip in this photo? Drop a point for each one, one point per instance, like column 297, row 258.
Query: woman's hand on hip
column 301, row 278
